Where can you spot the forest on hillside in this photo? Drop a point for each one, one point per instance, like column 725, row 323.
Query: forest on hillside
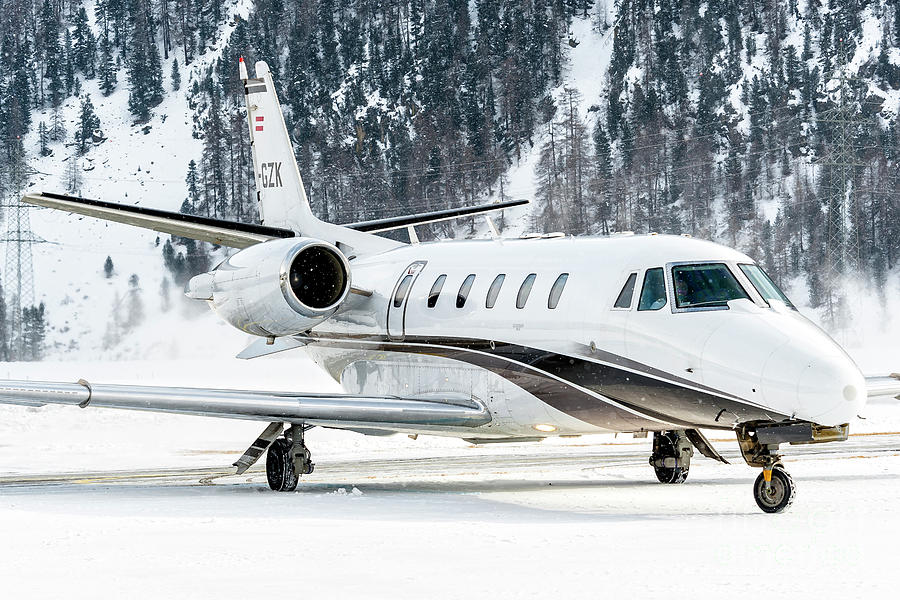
column 770, row 126
column 766, row 125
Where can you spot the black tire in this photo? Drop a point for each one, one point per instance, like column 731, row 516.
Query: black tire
column 671, row 475
column 664, row 446
column 280, row 467
column 781, row 491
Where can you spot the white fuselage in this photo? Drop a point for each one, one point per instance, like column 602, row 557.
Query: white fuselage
column 584, row 365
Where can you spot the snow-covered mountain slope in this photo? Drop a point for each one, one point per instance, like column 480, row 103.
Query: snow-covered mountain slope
column 146, row 165
column 141, row 164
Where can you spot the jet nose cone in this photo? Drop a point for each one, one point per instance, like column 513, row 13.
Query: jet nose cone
column 830, row 391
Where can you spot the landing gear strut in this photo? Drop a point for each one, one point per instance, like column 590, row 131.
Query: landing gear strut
column 774, row 489
column 287, row 459
column 671, row 458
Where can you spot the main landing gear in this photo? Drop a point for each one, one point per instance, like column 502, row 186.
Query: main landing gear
column 671, row 457
column 287, row 459
column 774, row 489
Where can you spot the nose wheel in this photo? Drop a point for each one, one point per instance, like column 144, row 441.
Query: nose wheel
column 774, row 489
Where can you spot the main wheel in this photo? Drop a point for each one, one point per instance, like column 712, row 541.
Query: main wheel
column 666, row 447
column 280, row 467
column 671, row 475
column 780, row 494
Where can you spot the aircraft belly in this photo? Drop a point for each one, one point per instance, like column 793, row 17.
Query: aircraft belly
column 514, row 411
column 609, row 392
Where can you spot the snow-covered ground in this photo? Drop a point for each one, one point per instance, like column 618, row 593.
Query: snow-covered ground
column 400, row 518
column 383, row 517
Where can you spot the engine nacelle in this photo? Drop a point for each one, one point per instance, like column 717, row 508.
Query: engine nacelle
column 280, row 287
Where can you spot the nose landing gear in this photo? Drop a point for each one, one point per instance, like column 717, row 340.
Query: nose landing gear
column 671, row 457
column 774, row 489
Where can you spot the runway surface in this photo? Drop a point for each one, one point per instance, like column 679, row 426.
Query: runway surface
column 571, row 520
column 483, row 462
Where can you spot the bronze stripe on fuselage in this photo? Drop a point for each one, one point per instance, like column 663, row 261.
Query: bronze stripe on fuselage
column 584, row 388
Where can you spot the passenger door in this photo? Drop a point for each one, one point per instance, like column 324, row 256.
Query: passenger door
column 396, row 318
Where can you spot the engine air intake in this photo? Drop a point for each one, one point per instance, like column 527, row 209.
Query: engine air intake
column 317, row 277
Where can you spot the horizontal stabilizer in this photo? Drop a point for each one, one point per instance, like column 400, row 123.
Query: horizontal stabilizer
column 390, row 223
column 291, row 407
column 266, row 346
column 205, row 229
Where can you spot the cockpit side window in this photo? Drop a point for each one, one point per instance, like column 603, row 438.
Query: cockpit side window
column 627, row 293
column 705, row 286
column 764, row 284
column 653, row 295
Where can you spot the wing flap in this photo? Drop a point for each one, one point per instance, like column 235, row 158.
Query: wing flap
column 205, row 229
column 252, row 405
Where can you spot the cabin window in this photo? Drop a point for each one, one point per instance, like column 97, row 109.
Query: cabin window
column 764, row 284
column 400, row 296
column 525, row 290
column 705, row 286
column 653, row 295
column 494, row 291
column 464, row 290
column 436, row 290
column 556, row 291
column 627, row 293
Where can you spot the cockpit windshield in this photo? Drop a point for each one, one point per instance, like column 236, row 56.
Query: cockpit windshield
column 764, row 284
column 705, row 286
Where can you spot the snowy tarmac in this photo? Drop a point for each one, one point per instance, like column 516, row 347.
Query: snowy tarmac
column 571, row 520
column 101, row 503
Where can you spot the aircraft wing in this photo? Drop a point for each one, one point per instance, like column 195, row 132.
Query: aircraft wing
column 205, row 229
column 338, row 410
column 885, row 385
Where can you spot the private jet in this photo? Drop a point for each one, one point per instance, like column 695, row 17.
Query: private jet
column 492, row 340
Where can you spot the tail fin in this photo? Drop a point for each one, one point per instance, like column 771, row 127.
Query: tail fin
column 280, row 193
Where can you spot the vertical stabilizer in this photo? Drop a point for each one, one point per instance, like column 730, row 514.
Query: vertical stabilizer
column 280, row 192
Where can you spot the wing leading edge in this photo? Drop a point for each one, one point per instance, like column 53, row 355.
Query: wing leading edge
column 205, row 229
column 884, row 385
column 231, row 233
column 315, row 409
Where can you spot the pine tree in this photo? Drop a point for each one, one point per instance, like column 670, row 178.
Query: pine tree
column 57, row 126
column 44, row 139
column 54, row 60
column 4, row 329
column 87, row 123
column 72, row 178
column 165, row 301
column 107, row 70
column 175, row 76
column 113, row 334
column 108, row 267
column 34, row 332
column 85, row 46
column 144, row 65
column 68, row 63
column 135, row 309
column 193, row 184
